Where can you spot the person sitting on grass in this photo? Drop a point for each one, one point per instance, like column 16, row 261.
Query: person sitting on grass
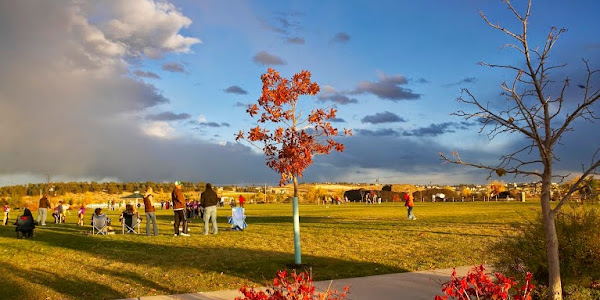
column 127, row 215
column 98, row 213
column 25, row 224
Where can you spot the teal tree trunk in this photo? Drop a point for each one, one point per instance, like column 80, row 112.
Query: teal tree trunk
column 296, row 215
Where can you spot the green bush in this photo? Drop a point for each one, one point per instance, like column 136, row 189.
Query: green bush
column 578, row 234
column 575, row 292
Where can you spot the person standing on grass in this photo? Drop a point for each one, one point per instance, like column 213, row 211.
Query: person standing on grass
column 80, row 215
column 150, row 212
column 43, row 209
column 409, row 203
column 6, row 211
column 179, row 210
column 209, row 200
column 61, row 212
column 242, row 200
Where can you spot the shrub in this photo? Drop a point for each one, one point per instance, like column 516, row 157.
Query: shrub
column 478, row 285
column 292, row 286
column 578, row 234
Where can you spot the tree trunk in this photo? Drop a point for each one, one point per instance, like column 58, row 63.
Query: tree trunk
column 555, row 285
column 296, row 216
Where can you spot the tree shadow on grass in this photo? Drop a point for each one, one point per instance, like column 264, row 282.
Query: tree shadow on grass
column 249, row 265
column 69, row 286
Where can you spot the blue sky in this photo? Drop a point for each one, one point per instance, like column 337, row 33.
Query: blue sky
column 152, row 90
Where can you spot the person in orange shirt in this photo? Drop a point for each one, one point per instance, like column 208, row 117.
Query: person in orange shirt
column 409, row 203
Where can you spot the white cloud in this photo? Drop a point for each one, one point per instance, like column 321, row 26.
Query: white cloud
column 201, row 118
column 147, row 27
column 159, row 129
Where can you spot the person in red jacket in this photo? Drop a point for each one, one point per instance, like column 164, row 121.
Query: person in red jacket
column 242, row 200
column 409, row 203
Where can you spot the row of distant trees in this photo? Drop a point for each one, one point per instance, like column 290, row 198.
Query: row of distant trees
column 111, row 188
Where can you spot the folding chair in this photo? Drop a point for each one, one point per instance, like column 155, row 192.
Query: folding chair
column 99, row 224
column 131, row 223
column 238, row 218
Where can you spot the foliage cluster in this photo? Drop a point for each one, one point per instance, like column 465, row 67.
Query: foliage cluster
column 478, row 285
column 62, row 188
column 578, row 231
column 291, row 286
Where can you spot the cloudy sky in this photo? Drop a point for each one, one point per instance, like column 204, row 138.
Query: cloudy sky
column 137, row 90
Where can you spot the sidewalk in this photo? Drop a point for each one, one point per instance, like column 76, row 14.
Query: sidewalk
column 410, row 285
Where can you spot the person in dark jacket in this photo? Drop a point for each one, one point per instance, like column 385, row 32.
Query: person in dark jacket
column 209, row 200
column 179, row 209
column 25, row 224
column 43, row 209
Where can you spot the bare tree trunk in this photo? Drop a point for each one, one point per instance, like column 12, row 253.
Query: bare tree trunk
column 555, row 284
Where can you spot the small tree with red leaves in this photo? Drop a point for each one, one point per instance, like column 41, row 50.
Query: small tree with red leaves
column 288, row 138
column 291, row 287
column 478, row 285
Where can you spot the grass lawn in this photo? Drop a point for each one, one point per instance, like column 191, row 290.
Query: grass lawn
column 62, row 262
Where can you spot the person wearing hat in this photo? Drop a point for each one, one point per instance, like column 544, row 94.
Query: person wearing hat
column 149, row 209
column 179, row 209
column 209, row 200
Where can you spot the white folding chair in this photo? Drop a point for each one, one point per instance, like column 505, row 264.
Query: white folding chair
column 238, row 218
column 99, row 224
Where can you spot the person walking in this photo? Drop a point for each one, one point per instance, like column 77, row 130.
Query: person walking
column 179, row 209
column 43, row 209
column 209, row 200
column 150, row 212
column 409, row 203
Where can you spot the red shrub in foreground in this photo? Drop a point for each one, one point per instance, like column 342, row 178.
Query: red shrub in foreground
column 293, row 287
column 478, row 285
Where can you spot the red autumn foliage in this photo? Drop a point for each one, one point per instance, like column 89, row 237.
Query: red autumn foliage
column 291, row 145
column 293, row 287
column 478, row 285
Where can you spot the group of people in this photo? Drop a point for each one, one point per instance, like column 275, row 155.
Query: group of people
column 208, row 201
column 372, row 198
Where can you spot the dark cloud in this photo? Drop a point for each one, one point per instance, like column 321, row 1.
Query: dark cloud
column 209, row 124
column 265, row 58
column 337, row 98
column 140, row 73
column 284, row 23
column 388, row 87
column 437, row 129
column 379, row 132
column 340, row 37
column 462, row 81
column 337, row 120
column 592, row 46
column 168, row 116
column 234, row 89
column 173, row 67
column 384, row 117
column 240, row 104
column 422, row 80
column 296, row 40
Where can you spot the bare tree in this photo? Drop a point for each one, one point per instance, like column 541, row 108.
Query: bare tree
column 532, row 111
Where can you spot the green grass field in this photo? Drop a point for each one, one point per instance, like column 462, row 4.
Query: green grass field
column 63, row 262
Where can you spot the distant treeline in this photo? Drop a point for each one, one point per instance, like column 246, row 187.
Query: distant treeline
column 62, row 188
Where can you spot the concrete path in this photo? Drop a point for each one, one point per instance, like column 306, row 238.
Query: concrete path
column 411, row 285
